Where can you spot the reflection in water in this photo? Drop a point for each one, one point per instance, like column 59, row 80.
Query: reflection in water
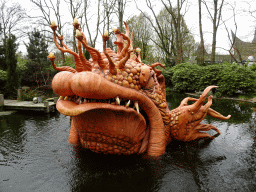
column 35, row 156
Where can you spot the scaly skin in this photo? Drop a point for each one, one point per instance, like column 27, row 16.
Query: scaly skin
column 118, row 105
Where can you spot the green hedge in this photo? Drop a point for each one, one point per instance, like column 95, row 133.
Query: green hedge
column 230, row 78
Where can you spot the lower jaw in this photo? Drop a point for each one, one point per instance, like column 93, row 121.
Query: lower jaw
column 119, row 147
column 110, row 132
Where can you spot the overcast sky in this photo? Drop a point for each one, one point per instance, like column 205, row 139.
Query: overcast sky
column 246, row 23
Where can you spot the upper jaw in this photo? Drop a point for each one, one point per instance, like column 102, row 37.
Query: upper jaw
column 75, row 105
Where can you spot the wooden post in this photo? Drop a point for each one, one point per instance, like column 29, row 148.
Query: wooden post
column 1, row 102
column 19, row 92
column 46, row 104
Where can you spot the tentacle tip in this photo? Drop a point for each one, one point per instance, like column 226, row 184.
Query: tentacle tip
column 51, row 56
column 228, row 117
column 54, row 28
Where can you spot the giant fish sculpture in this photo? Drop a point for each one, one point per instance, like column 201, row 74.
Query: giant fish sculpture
column 117, row 104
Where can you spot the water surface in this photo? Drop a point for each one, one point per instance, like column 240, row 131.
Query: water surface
column 35, row 156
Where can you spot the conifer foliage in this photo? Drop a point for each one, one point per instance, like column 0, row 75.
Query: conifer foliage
column 37, row 73
column 12, row 82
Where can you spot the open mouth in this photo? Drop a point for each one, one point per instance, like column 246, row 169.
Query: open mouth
column 109, row 118
column 107, row 125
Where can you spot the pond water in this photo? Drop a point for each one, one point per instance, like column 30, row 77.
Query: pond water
column 35, row 156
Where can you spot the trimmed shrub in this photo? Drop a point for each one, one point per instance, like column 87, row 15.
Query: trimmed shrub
column 230, row 78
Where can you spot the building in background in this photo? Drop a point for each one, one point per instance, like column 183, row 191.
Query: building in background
column 244, row 51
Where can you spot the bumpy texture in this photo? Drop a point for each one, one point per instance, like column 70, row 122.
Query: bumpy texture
column 117, row 104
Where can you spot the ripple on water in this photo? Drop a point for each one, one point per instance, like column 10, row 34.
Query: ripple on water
column 35, row 156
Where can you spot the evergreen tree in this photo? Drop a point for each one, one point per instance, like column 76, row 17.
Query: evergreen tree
column 3, row 64
column 11, row 62
column 37, row 47
column 37, row 73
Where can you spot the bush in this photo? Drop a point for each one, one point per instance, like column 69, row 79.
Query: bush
column 230, row 78
column 69, row 61
column 27, row 95
column 253, row 67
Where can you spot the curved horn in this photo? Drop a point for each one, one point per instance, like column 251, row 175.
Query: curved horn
column 196, row 106
column 217, row 115
column 127, row 29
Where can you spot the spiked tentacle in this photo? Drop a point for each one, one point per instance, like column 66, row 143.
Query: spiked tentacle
column 199, row 116
column 112, row 68
column 126, row 29
column 95, row 54
column 64, row 68
column 185, row 101
column 120, row 41
column 138, row 50
column 87, row 65
column 131, row 39
column 121, row 63
column 79, row 66
column 126, row 49
column 217, row 115
column 196, row 106
column 157, row 71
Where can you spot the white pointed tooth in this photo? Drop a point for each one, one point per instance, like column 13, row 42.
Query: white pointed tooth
column 77, row 100
column 128, row 103
column 80, row 101
column 137, row 106
column 66, row 98
column 61, row 97
column 117, row 100
column 84, row 100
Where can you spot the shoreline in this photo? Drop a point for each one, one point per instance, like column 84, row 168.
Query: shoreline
column 252, row 100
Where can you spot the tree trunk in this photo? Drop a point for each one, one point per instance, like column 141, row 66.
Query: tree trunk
column 201, row 55
column 214, row 31
column 179, row 57
column 120, row 14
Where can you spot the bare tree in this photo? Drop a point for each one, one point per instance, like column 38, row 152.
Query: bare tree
column 201, row 55
column 233, row 50
column 76, row 11
column 91, row 39
column 251, row 9
column 215, row 18
column 48, row 9
column 141, row 29
column 175, row 20
column 120, row 11
column 109, row 6
column 11, row 18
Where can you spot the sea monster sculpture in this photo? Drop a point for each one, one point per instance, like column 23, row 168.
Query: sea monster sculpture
column 117, row 104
